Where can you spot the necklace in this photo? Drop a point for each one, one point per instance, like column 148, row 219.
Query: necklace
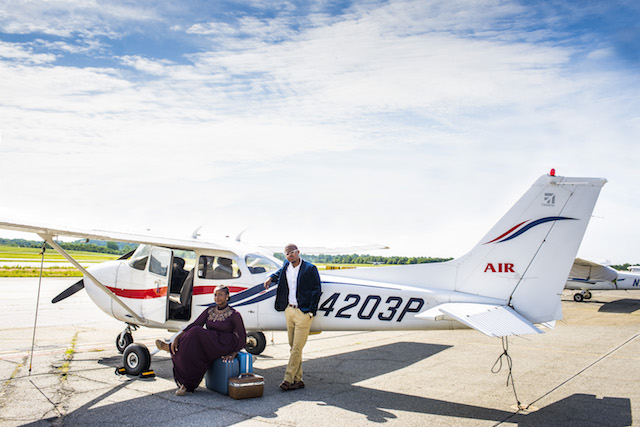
column 217, row 315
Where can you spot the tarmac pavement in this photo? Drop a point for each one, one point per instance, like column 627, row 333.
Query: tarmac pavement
column 585, row 372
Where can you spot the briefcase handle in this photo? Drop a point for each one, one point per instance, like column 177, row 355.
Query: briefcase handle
column 245, row 374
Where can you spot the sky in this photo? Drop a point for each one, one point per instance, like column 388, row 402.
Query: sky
column 412, row 124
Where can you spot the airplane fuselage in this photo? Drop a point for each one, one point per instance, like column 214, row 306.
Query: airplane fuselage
column 345, row 303
column 507, row 283
column 624, row 280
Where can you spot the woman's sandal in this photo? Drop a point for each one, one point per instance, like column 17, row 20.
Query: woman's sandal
column 163, row 346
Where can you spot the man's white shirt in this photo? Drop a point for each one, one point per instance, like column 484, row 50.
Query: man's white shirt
column 292, row 280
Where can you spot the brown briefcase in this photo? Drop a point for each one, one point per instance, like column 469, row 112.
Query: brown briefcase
column 246, row 386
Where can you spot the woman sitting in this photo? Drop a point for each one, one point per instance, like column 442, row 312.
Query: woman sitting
column 197, row 347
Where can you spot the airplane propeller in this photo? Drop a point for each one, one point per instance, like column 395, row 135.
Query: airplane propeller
column 69, row 291
column 79, row 285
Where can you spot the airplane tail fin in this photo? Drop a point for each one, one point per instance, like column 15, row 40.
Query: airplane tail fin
column 518, row 269
column 526, row 257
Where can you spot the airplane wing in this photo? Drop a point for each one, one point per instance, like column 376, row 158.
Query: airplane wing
column 586, row 263
column 109, row 236
column 49, row 233
column 592, row 271
column 491, row 320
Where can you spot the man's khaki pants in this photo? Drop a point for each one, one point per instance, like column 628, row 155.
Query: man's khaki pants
column 298, row 326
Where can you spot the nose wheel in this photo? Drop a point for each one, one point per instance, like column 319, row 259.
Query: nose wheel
column 581, row 296
column 125, row 338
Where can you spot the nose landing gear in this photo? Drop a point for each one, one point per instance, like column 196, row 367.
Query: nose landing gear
column 135, row 357
column 582, row 295
column 125, row 337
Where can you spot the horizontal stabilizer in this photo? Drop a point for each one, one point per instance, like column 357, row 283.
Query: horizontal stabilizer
column 491, row 320
column 549, row 325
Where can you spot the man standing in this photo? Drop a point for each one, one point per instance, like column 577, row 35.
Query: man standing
column 297, row 295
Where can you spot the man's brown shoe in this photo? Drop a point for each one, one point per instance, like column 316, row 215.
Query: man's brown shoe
column 286, row 386
column 296, row 385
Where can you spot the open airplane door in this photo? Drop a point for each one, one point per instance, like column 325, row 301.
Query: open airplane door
column 157, row 279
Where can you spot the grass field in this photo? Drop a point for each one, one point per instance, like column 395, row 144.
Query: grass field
column 35, row 272
column 12, row 254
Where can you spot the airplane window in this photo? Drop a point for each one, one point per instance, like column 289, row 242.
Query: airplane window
column 159, row 262
column 259, row 264
column 215, row 267
column 139, row 258
column 189, row 258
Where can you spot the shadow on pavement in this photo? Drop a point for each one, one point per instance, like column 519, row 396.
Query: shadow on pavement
column 581, row 410
column 331, row 383
column 626, row 305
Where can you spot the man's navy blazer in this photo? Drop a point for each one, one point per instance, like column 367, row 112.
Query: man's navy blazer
column 307, row 292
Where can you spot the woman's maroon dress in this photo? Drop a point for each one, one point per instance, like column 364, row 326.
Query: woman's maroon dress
column 198, row 347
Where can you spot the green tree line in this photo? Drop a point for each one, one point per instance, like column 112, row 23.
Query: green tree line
column 99, row 246
column 623, row 267
column 365, row 259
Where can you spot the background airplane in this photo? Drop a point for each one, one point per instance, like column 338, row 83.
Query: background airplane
column 587, row 276
column 510, row 281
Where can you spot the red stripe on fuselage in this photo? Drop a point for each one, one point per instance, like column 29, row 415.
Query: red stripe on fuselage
column 140, row 293
column 162, row 292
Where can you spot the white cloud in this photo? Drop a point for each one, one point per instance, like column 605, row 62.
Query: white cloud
column 147, row 65
column 83, row 46
column 390, row 124
column 15, row 52
column 65, row 18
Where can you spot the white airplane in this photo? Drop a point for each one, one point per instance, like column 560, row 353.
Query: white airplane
column 587, row 276
column 510, row 281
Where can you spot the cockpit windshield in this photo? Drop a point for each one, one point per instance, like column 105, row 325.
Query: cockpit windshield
column 260, row 264
column 139, row 258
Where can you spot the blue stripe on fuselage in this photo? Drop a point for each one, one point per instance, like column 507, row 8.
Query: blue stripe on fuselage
column 235, row 299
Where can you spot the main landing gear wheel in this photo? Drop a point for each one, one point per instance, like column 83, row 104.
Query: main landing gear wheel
column 578, row 297
column 587, row 295
column 123, row 340
column 256, row 342
column 136, row 359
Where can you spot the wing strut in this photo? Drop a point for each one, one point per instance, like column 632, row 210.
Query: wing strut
column 54, row 245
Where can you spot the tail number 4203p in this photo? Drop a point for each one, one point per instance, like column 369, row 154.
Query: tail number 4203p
column 370, row 306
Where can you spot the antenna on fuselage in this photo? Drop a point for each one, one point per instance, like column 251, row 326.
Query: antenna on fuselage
column 195, row 233
column 239, row 236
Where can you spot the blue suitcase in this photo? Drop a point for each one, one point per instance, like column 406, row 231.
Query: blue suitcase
column 246, row 362
column 217, row 376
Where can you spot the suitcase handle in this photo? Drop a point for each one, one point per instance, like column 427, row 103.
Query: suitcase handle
column 245, row 374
